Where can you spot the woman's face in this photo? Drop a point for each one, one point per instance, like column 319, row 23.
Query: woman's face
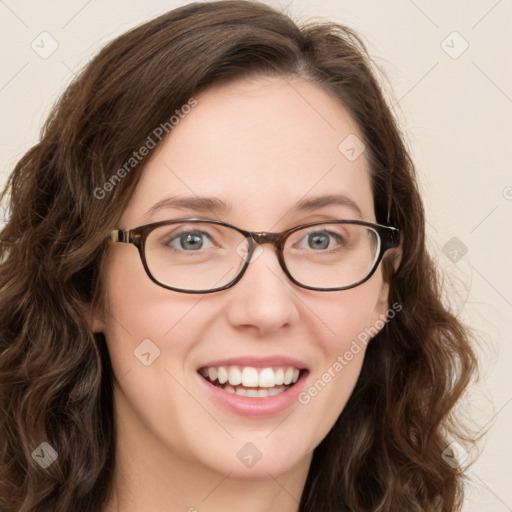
column 259, row 146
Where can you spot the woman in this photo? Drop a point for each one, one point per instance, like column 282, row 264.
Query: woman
column 274, row 340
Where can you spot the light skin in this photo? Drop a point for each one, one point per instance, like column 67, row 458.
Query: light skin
column 262, row 145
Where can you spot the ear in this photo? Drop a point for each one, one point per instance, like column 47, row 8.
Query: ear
column 94, row 319
column 382, row 300
column 389, row 267
column 390, row 263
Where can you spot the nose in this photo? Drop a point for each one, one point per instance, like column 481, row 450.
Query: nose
column 264, row 300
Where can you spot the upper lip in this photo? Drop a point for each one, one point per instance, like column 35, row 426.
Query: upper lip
column 257, row 362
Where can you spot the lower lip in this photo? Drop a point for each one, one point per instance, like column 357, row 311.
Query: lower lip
column 257, row 407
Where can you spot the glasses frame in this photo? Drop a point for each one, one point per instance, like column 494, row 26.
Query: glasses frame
column 389, row 238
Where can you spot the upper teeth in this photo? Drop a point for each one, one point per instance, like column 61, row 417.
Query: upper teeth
column 252, row 377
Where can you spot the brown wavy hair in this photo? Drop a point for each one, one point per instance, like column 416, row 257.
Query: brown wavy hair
column 56, row 382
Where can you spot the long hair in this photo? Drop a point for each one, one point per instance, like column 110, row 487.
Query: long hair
column 384, row 452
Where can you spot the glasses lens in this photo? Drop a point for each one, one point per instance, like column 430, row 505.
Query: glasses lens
column 331, row 255
column 195, row 255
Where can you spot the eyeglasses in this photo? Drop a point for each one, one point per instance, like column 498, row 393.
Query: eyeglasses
column 204, row 256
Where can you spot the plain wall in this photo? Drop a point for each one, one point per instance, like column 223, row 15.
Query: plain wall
column 454, row 104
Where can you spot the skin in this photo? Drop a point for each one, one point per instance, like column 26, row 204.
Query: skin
column 262, row 144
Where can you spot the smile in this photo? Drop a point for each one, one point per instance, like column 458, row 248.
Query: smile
column 250, row 381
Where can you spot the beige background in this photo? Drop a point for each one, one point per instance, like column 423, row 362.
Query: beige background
column 455, row 107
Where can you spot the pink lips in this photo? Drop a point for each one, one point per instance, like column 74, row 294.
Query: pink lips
column 255, row 407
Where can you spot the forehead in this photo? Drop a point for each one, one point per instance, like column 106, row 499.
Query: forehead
column 262, row 145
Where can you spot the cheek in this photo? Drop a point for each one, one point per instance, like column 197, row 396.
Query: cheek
column 150, row 333
column 348, row 324
column 329, row 387
column 347, row 314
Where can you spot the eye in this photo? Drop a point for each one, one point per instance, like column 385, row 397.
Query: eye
column 321, row 240
column 190, row 241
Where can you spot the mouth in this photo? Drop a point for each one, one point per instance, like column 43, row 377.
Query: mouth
column 253, row 381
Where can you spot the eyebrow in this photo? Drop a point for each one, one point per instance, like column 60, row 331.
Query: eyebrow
column 216, row 206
